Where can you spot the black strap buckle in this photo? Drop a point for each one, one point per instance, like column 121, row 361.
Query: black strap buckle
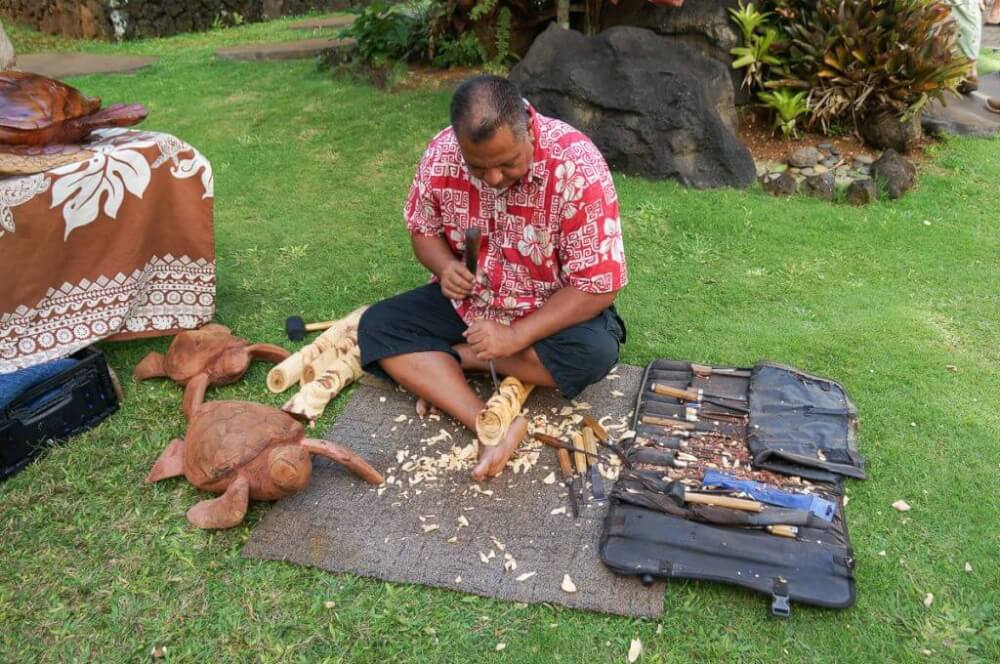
column 780, row 606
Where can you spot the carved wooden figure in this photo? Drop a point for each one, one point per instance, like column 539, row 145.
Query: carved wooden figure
column 210, row 355
column 246, row 451
column 35, row 110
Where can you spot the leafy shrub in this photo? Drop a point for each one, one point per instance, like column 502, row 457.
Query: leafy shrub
column 787, row 107
column 387, row 33
column 852, row 59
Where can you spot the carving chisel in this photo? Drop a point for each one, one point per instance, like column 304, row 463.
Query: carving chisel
column 566, row 468
column 472, row 236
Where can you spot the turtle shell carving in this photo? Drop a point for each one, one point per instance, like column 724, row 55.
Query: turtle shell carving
column 246, row 451
column 36, row 110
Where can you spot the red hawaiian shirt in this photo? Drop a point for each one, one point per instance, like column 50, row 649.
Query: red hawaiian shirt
column 556, row 226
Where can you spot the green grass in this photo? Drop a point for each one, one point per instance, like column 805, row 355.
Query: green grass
column 311, row 174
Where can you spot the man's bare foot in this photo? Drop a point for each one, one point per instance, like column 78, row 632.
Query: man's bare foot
column 425, row 408
column 493, row 459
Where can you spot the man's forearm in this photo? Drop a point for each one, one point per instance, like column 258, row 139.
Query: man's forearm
column 433, row 252
column 568, row 306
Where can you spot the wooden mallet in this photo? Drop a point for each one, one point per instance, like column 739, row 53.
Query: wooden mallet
column 296, row 328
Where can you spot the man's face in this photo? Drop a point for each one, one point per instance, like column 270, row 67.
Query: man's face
column 499, row 161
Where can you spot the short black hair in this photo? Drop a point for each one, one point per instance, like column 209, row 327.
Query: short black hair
column 483, row 104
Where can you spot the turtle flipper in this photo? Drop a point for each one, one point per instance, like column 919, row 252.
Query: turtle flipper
column 194, row 394
column 225, row 511
column 344, row 457
column 150, row 366
column 268, row 353
column 170, row 463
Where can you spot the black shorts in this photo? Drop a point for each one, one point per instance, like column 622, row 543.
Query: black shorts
column 424, row 320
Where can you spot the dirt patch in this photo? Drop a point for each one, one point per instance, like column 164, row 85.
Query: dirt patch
column 430, row 78
column 754, row 131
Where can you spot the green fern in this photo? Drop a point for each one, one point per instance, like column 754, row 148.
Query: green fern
column 749, row 19
column 482, row 8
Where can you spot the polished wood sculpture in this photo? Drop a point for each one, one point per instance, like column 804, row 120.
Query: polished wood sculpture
column 35, row 110
column 207, row 356
column 246, row 451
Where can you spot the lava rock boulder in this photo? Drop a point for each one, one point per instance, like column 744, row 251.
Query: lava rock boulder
column 654, row 106
column 898, row 174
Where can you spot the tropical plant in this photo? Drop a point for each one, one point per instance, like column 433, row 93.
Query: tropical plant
column 864, row 57
column 755, row 55
column 387, row 33
column 749, row 19
column 787, row 107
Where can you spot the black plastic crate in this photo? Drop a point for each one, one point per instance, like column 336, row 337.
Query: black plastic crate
column 58, row 408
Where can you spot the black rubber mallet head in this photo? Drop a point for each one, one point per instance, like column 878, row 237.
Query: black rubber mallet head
column 295, row 328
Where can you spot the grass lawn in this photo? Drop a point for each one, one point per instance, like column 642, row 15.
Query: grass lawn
column 310, row 177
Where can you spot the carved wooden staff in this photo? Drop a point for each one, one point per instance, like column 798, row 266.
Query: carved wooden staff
column 286, row 374
column 312, row 399
column 501, row 409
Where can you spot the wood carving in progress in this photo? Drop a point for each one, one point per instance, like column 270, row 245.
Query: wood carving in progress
column 493, row 422
column 312, row 399
column 289, row 372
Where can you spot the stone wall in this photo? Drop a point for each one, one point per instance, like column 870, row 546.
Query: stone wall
column 128, row 19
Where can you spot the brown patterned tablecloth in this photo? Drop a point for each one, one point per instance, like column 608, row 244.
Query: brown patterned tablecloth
column 118, row 246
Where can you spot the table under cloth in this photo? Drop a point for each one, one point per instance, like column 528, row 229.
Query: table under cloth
column 117, row 245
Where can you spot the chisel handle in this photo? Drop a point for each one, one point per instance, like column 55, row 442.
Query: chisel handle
column 472, row 236
column 723, row 501
column 691, row 396
column 565, row 465
column 783, row 530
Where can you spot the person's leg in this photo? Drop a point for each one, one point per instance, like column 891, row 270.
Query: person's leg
column 408, row 338
column 969, row 18
column 583, row 354
column 994, row 16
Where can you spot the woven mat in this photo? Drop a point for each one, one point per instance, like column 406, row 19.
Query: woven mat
column 341, row 525
column 14, row 163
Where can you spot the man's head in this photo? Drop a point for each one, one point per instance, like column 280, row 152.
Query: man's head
column 491, row 125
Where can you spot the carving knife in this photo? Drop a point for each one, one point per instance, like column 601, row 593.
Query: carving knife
column 566, row 467
column 472, row 236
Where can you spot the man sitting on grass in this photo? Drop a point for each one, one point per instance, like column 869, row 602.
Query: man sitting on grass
column 551, row 261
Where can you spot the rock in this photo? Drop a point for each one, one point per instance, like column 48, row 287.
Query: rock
column 804, row 157
column 808, row 172
column 830, row 162
column 820, row 186
column 842, row 181
column 819, row 169
column 826, row 147
column 776, row 166
column 835, row 151
column 861, row 192
column 886, row 130
column 705, row 26
column 793, row 170
column 650, row 104
column 864, row 159
column 779, row 184
column 898, row 174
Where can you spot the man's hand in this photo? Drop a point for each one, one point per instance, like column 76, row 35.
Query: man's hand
column 492, row 341
column 456, row 281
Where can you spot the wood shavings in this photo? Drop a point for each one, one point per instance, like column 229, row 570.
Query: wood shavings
column 567, row 584
column 612, row 377
column 558, row 510
column 617, row 394
column 399, row 418
column 381, row 399
column 902, row 506
column 452, row 540
column 509, row 564
column 462, row 521
column 928, row 600
column 550, row 478
column 484, row 558
column 501, row 646
column 968, row 567
column 329, row 604
column 458, row 579
column 401, row 455
column 501, row 409
column 566, row 411
column 523, row 462
column 525, row 576
column 442, row 436
column 498, row 543
column 634, row 650
column 429, row 528
column 581, row 405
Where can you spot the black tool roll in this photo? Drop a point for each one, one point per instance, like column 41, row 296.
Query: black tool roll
column 734, row 475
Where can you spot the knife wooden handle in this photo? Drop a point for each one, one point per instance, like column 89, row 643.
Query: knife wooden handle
column 565, row 465
column 723, row 501
column 676, row 393
column 579, row 457
column 590, row 445
column 595, row 426
column 668, row 422
column 782, row 531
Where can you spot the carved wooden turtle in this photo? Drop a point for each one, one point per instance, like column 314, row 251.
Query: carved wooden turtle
column 35, row 110
column 245, row 451
column 210, row 355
